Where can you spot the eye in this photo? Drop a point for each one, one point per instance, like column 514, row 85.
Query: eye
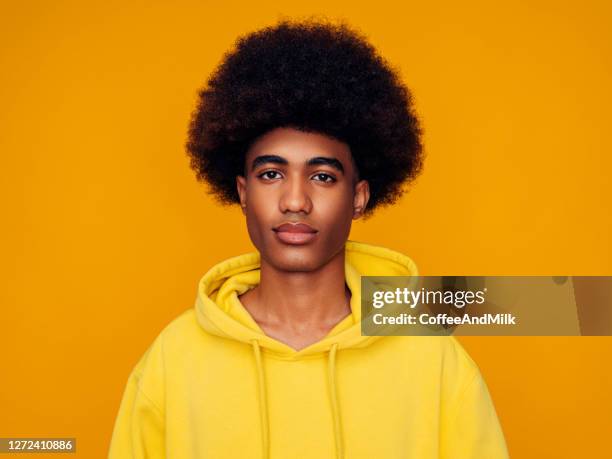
column 323, row 177
column 269, row 175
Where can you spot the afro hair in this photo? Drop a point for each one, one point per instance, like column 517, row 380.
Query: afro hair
column 314, row 76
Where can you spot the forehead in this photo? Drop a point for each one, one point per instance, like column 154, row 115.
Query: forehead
column 298, row 146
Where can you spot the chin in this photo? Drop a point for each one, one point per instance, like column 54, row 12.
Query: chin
column 294, row 262
column 299, row 258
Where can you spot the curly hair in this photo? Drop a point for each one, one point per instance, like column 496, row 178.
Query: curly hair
column 316, row 77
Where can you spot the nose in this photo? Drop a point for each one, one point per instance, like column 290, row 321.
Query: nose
column 295, row 197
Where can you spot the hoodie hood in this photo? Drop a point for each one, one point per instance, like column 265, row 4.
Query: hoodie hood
column 220, row 312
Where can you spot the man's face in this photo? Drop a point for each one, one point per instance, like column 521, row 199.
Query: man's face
column 300, row 193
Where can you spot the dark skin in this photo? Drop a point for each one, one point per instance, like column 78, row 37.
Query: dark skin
column 293, row 177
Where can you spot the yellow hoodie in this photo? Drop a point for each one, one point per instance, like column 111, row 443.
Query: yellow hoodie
column 214, row 385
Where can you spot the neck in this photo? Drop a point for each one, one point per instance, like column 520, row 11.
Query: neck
column 303, row 300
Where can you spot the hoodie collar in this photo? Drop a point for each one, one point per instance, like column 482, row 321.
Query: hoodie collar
column 220, row 312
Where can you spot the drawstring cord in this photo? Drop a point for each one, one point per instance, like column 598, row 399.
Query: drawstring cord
column 263, row 403
column 334, row 401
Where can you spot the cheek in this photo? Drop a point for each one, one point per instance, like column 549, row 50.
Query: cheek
column 260, row 214
column 336, row 209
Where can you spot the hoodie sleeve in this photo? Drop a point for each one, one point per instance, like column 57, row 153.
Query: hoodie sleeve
column 139, row 430
column 471, row 429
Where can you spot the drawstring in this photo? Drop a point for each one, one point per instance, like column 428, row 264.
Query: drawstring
column 334, row 401
column 263, row 403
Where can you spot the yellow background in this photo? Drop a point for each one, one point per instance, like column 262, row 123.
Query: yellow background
column 105, row 231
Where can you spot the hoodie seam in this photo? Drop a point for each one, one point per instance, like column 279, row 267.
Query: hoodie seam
column 454, row 412
column 146, row 397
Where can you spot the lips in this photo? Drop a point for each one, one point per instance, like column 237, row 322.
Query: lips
column 295, row 228
column 295, row 233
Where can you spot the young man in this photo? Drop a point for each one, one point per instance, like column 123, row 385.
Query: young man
column 307, row 128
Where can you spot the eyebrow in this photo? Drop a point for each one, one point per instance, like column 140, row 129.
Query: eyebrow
column 264, row 159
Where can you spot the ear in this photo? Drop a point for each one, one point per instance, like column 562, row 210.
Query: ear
column 241, row 188
column 361, row 198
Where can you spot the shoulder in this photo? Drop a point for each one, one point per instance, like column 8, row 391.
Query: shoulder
column 457, row 368
column 446, row 351
column 456, row 358
column 174, row 339
column 183, row 329
column 150, row 372
column 436, row 358
column 443, row 358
